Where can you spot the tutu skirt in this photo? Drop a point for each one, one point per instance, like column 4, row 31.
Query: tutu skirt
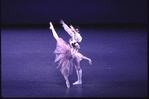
column 63, row 57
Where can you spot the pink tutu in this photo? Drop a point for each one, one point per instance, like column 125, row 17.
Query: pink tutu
column 63, row 57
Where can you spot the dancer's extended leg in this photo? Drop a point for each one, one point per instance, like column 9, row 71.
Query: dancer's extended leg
column 56, row 37
column 53, row 31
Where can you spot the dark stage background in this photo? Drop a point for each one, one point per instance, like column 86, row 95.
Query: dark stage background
column 73, row 11
column 114, row 36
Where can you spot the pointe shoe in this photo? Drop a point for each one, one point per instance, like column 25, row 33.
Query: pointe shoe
column 77, row 82
column 67, row 84
column 51, row 26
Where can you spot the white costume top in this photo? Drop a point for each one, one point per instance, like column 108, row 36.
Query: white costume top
column 77, row 36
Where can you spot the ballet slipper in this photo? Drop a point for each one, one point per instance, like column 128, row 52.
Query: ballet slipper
column 77, row 82
column 67, row 84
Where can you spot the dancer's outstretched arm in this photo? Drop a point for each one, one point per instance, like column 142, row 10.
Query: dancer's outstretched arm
column 66, row 28
column 53, row 31
column 90, row 61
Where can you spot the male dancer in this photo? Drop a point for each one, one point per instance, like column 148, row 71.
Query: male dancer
column 72, row 31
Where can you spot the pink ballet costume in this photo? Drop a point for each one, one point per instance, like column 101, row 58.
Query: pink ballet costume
column 63, row 57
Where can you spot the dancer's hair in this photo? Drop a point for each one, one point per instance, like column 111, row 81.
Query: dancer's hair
column 77, row 27
column 76, row 45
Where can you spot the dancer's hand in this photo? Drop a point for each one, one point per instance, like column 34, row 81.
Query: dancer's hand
column 51, row 26
column 90, row 61
column 61, row 21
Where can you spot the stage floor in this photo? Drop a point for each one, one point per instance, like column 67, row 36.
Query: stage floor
column 119, row 63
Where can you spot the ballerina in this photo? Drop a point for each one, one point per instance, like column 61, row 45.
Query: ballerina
column 72, row 31
column 65, row 55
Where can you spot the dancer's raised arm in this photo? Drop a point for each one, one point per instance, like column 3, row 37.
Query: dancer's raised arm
column 71, row 30
column 66, row 28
